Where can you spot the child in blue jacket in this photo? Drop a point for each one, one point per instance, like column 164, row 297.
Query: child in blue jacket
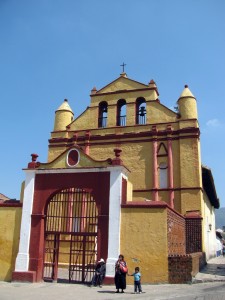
column 137, row 280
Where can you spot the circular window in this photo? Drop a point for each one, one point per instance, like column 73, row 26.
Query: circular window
column 73, row 158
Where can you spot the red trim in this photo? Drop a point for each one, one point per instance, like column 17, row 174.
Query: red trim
column 132, row 135
column 87, row 148
column 80, row 168
column 146, row 204
column 155, row 170
column 124, row 191
column 117, row 161
column 170, row 189
column 170, row 169
column 146, row 133
column 28, row 276
column 151, row 204
column 118, row 137
column 11, row 204
column 193, row 215
column 109, row 280
column 39, row 216
column 135, row 125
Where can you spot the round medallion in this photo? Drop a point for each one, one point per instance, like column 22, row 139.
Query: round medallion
column 73, row 158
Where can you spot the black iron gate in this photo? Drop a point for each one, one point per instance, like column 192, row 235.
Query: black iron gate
column 71, row 236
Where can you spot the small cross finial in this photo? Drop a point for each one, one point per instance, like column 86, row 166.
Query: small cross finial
column 123, row 65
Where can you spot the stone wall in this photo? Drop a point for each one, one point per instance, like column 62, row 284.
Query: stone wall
column 183, row 267
column 175, row 233
column 193, row 234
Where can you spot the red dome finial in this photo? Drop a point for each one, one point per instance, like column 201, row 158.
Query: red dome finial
column 33, row 164
column 117, row 160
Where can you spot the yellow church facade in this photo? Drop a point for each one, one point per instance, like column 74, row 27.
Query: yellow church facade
column 125, row 176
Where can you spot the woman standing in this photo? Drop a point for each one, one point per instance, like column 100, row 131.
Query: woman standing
column 120, row 274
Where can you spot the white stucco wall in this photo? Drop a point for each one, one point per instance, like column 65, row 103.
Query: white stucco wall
column 209, row 228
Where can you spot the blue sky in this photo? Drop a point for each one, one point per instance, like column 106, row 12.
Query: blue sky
column 51, row 50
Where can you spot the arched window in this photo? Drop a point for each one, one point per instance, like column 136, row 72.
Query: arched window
column 121, row 113
column 163, row 181
column 102, row 114
column 140, row 111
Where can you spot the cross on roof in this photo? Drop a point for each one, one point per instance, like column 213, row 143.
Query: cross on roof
column 123, row 65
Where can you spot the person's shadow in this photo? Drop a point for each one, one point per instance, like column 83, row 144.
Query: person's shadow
column 107, row 292
column 112, row 292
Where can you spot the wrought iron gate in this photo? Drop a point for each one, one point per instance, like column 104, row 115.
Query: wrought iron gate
column 71, row 227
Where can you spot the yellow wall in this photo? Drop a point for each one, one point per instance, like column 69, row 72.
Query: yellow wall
column 144, row 243
column 55, row 152
column 189, row 163
column 10, row 218
column 191, row 201
column 140, row 168
column 90, row 114
column 156, row 113
column 190, row 175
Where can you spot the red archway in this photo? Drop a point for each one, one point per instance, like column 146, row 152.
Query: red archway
column 71, row 229
column 46, row 187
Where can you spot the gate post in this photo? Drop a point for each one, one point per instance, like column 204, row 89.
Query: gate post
column 21, row 272
column 114, row 221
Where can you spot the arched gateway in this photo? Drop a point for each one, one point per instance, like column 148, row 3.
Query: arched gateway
column 71, row 218
column 71, row 229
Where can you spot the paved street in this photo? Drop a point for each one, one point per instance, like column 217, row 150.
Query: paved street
column 53, row 291
column 213, row 271
column 209, row 285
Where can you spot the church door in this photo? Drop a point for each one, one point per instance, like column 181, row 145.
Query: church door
column 71, row 227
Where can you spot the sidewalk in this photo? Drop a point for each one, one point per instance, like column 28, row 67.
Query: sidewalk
column 213, row 271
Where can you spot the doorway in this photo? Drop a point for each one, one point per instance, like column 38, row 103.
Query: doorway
column 71, row 232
